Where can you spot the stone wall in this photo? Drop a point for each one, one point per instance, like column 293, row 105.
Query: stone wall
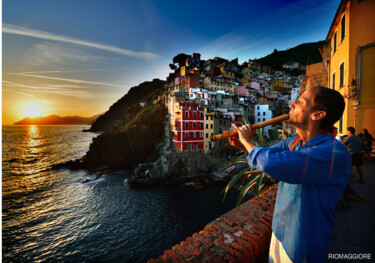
column 241, row 235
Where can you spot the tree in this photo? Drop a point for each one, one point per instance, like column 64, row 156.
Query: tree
column 180, row 59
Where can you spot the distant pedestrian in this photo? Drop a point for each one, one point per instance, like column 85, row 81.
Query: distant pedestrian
column 354, row 145
column 349, row 192
column 366, row 144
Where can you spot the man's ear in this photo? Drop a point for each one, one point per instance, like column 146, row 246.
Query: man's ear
column 318, row 115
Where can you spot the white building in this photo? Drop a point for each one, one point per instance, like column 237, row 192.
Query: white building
column 294, row 95
column 263, row 112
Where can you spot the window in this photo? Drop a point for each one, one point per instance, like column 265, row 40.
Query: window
column 192, row 135
column 201, row 124
column 264, row 113
column 333, row 80
column 334, row 42
column 342, row 28
column 186, row 114
column 258, row 107
column 206, row 126
column 206, row 135
column 264, row 119
column 211, row 126
column 258, row 120
column 201, row 115
column 197, row 135
column 194, row 114
column 186, row 135
column 186, row 125
column 342, row 74
column 194, row 124
column 258, row 113
column 206, row 118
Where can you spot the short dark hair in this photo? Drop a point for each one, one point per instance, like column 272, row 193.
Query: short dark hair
column 330, row 101
column 351, row 129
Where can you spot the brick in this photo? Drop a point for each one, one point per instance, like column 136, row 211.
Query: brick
column 253, row 210
column 205, row 233
column 213, row 231
column 235, row 220
column 213, row 257
column 179, row 250
column 243, row 250
column 193, row 250
column 230, row 250
column 226, row 228
column 194, row 241
column 174, row 256
column 228, row 222
column 216, row 226
column 239, row 240
column 258, row 237
column 164, row 258
column 205, row 241
column 266, row 225
column 247, row 216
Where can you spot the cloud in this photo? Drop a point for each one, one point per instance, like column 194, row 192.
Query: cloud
column 69, row 80
column 18, row 30
column 56, row 54
column 25, row 94
column 70, row 71
column 53, row 89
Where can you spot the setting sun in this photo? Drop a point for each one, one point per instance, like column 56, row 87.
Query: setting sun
column 33, row 110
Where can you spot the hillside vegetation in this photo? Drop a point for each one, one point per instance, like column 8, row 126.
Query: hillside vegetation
column 124, row 110
column 305, row 54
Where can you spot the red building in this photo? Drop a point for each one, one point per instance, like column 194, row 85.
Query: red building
column 189, row 127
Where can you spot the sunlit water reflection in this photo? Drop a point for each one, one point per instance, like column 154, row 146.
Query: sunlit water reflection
column 50, row 215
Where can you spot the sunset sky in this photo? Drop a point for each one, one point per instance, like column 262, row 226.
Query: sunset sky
column 79, row 57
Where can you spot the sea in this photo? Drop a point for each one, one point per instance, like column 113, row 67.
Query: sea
column 62, row 215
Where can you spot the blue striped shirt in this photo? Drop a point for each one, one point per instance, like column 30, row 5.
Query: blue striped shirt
column 312, row 178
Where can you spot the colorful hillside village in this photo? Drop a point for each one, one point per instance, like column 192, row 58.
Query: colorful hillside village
column 205, row 97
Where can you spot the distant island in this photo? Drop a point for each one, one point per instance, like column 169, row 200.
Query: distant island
column 57, row 120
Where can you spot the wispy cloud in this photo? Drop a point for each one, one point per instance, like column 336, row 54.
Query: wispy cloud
column 69, row 71
column 25, row 94
column 68, row 80
column 52, row 90
column 18, row 30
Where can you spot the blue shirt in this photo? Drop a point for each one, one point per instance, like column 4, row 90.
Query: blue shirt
column 312, row 178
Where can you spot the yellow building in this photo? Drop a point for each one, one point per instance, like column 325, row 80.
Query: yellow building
column 214, row 125
column 352, row 62
column 278, row 83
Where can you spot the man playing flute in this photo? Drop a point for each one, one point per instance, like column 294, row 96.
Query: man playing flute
column 313, row 169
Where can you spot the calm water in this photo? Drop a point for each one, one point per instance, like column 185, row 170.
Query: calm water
column 50, row 215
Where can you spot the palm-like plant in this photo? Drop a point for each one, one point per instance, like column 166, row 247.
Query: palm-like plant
column 253, row 181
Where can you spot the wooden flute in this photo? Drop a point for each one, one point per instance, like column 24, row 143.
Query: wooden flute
column 254, row 127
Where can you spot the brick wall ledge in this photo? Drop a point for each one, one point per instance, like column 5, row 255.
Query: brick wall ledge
column 241, row 235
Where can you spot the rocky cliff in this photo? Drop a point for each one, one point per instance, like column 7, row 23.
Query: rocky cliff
column 126, row 108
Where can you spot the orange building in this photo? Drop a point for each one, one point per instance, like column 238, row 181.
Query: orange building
column 351, row 62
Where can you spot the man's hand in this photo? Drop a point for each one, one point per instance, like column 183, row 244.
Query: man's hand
column 245, row 135
column 235, row 142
